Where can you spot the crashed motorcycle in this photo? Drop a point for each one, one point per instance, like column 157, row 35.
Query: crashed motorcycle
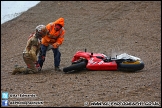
column 101, row 62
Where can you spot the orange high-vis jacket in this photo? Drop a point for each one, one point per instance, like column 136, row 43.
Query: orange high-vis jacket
column 54, row 36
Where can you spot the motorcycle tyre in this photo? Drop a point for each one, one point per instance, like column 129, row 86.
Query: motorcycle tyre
column 75, row 67
column 130, row 67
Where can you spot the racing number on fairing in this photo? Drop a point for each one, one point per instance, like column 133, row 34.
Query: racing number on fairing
column 101, row 62
column 92, row 62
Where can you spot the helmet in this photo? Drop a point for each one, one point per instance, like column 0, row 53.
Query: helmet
column 41, row 30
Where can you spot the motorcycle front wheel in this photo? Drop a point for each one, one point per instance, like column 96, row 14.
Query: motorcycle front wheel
column 131, row 66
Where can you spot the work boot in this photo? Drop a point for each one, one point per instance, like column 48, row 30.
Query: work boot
column 57, row 69
column 31, row 71
column 18, row 70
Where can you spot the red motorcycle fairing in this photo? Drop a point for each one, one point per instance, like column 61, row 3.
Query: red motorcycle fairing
column 95, row 61
column 98, row 64
column 86, row 55
column 81, row 54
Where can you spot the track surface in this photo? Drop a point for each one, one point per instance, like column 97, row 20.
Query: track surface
column 100, row 26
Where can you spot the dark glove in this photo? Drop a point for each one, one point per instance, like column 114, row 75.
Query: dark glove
column 38, row 66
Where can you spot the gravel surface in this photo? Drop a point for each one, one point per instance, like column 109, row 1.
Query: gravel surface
column 110, row 27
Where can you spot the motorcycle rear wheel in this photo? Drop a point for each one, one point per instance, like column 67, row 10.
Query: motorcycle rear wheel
column 75, row 67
